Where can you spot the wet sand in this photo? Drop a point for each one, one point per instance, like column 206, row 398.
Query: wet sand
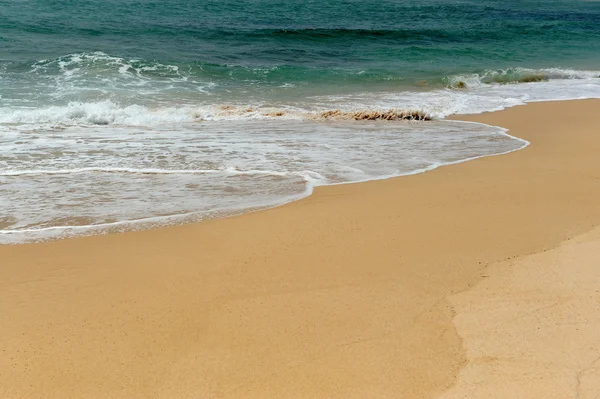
column 359, row 291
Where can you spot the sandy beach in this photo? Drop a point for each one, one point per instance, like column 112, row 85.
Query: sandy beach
column 474, row 280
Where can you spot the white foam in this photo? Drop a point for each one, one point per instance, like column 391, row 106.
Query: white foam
column 478, row 97
column 162, row 163
column 143, row 171
column 482, row 94
column 106, row 179
column 97, row 113
column 520, row 75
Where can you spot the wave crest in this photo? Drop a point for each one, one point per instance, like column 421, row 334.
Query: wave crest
column 97, row 63
column 515, row 76
column 110, row 113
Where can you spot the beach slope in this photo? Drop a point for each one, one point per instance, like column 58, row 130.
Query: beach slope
column 531, row 328
column 350, row 293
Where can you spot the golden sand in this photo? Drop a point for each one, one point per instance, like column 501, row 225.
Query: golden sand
column 531, row 329
column 350, row 293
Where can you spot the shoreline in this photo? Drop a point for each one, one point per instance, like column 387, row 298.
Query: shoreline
column 126, row 226
column 341, row 294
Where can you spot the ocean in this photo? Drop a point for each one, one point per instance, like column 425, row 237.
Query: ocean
column 124, row 115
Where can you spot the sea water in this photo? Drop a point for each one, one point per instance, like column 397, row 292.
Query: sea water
column 120, row 115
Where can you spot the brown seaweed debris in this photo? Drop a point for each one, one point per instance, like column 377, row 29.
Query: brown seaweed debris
column 274, row 114
column 533, row 79
column 227, row 107
column 460, row 85
column 374, row 115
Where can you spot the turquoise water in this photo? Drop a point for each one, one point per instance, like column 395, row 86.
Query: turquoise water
column 115, row 112
column 255, row 47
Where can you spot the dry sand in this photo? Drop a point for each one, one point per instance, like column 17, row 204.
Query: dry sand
column 350, row 293
column 531, row 329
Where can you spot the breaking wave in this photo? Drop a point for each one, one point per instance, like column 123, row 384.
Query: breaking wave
column 517, row 75
column 100, row 89
column 101, row 75
column 111, row 113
